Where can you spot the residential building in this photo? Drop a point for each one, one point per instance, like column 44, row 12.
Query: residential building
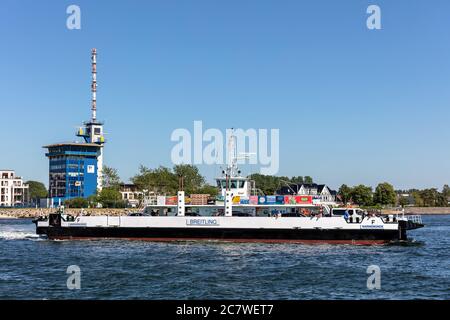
column 131, row 193
column 13, row 192
column 318, row 191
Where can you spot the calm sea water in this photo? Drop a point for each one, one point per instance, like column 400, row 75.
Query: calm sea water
column 35, row 268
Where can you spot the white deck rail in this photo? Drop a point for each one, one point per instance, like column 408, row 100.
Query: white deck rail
column 415, row 219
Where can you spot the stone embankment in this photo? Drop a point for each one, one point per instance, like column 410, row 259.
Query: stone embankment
column 10, row 213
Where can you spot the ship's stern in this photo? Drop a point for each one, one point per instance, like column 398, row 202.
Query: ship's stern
column 409, row 223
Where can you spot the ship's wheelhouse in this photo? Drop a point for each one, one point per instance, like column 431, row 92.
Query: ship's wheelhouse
column 239, row 186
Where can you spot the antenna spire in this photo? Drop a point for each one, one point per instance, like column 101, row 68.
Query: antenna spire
column 94, row 84
column 232, row 154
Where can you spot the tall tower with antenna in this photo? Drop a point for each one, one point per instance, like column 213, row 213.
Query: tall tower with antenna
column 92, row 131
column 76, row 168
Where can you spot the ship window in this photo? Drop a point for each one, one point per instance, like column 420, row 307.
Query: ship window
column 97, row 131
column 241, row 183
column 339, row 212
column 233, row 184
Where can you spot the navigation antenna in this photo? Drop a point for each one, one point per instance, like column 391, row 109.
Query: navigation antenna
column 232, row 168
column 94, row 85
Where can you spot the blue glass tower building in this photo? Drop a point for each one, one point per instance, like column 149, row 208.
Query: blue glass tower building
column 75, row 168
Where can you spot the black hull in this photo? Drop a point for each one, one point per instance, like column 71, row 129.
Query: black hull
column 239, row 235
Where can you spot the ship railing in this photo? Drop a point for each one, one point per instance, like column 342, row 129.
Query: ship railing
column 415, row 218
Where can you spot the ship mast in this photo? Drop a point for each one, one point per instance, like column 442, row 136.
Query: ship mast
column 232, row 168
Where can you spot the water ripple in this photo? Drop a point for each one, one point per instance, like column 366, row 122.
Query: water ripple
column 36, row 269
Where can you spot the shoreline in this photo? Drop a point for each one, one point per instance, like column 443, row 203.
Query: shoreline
column 29, row 213
column 4, row 216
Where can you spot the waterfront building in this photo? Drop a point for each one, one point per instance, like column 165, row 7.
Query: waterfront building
column 131, row 194
column 13, row 192
column 75, row 168
column 318, row 191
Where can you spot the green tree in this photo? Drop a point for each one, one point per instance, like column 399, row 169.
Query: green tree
column 76, row 203
column 384, row 194
column 111, row 178
column 297, row 180
column 362, row 195
column 441, row 200
column 160, row 180
column 418, row 201
column 268, row 184
column 403, row 201
column 143, row 179
column 192, row 179
column 446, row 191
column 430, row 197
column 163, row 180
column 36, row 190
column 345, row 192
column 93, row 200
column 308, row 180
column 109, row 194
column 110, row 198
column 208, row 189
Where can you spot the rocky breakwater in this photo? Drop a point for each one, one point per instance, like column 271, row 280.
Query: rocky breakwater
column 16, row 213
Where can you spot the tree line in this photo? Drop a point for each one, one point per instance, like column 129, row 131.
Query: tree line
column 386, row 195
column 430, row 197
column 168, row 181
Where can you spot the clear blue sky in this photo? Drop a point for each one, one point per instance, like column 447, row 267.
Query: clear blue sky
column 353, row 105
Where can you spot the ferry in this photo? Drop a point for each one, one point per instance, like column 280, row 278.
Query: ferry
column 238, row 214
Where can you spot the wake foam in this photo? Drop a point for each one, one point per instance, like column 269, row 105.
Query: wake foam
column 18, row 235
